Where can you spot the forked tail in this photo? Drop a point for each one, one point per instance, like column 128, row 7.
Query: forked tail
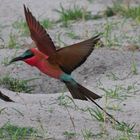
column 79, row 92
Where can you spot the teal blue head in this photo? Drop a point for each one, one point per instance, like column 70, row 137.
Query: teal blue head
column 26, row 55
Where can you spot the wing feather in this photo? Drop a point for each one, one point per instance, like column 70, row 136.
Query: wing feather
column 39, row 34
column 69, row 58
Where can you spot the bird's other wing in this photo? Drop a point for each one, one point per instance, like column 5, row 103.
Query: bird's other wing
column 69, row 58
column 39, row 34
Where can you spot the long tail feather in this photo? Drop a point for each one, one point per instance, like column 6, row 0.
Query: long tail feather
column 82, row 93
column 105, row 111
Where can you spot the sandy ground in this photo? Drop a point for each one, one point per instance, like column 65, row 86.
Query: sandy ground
column 105, row 68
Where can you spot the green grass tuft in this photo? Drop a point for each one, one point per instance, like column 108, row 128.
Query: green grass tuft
column 119, row 8
column 47, row 23
column 74, row 13
column 97, row 114
column 125, row 127
column 72, row 35
column 134, row 69
column 12, row 132
column 66, row 101
column 16, row 85
column 69, row 134
column 87, row 134
column 12, row 43
column 24, row 30
column 132, row 12
column 21, row 25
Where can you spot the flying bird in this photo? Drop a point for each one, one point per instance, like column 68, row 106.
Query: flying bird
column 58, row 63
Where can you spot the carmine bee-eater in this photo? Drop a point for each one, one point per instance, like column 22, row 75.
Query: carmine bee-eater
column 58, row 63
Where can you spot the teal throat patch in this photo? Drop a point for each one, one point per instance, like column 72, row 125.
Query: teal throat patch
column 67, row 78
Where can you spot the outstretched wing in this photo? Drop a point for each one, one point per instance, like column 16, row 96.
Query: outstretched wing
column 39, row 34
column 69, row 58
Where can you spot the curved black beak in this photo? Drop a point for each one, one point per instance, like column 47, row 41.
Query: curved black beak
column 16, row 59
column 27, row 54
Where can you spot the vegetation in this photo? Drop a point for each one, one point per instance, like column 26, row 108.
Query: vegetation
column 87, row 134
column 12, row 41
column 69, row 134
column 47, row 23
column 124, row 10
column 72, row 35
column 24, row 30
column 16, row 84
column 72, row 14
column 12, row 132
column 21, row 25
column 97, row 114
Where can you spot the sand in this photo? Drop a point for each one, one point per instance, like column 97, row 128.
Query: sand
column 105, row 68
